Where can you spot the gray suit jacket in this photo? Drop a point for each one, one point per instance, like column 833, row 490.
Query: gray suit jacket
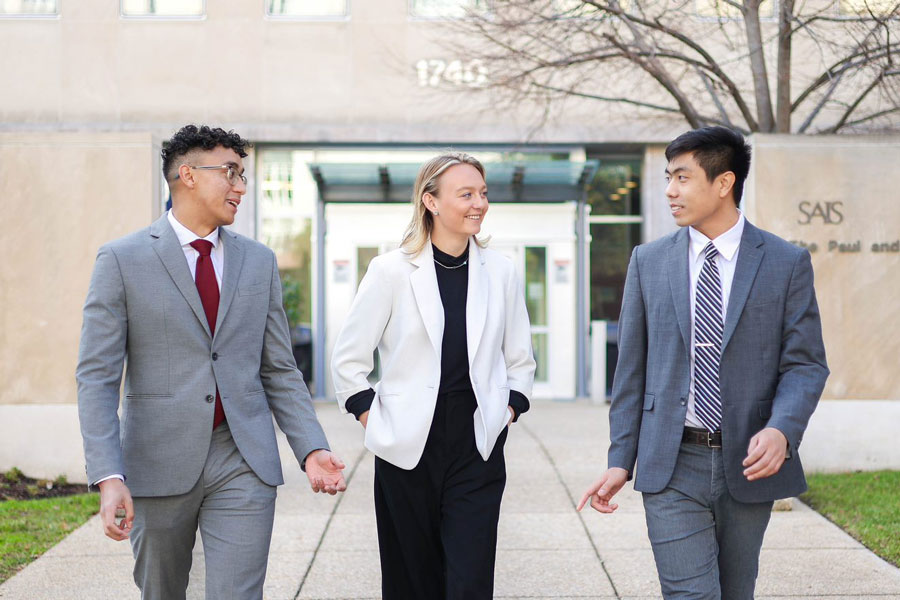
column 771, row 374
column 143, row 308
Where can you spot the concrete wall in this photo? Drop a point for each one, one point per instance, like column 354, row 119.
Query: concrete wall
column 839, row 197
column 66, row 194
column 347, row 80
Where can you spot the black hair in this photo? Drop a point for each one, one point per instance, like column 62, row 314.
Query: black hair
column 717, row 150
column 191, row 137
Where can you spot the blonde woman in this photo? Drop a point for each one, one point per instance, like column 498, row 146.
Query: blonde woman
column 448, row 318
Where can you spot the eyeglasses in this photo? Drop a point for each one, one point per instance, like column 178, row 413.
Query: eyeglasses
column 230, row 172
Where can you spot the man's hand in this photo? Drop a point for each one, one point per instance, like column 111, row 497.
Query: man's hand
column 512, row 415
column 765, row 455
column 364, row 419
column 602, row 490
column 324, row 472
column 115, row 496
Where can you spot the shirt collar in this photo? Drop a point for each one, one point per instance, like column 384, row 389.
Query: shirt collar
column 727, row 244
column 186, row 236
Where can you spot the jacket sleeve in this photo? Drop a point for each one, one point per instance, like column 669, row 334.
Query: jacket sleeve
column 517, row 351
column 802, row 370
column 286, row 392
column 353, row 356
column 628, row 383
column 101, row 355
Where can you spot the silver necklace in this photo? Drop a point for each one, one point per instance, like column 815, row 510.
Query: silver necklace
column 462, row 264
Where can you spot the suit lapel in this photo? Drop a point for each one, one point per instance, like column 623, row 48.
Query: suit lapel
column 428, row 297
column 476, row 298
column 748, row 260
column 680, row 285
column 234, row 260
column 165, row 244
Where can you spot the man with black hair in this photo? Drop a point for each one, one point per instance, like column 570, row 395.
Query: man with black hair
column 196, row 311
column 721, row 364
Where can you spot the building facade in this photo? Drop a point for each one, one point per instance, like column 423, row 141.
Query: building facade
column 343, row 100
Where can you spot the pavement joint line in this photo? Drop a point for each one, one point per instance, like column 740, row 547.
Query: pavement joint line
column 562, row 482
column 359, row 459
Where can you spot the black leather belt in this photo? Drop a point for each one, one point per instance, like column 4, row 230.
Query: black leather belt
column 702, row 437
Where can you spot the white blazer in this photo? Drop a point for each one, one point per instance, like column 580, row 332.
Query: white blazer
column 398, row 310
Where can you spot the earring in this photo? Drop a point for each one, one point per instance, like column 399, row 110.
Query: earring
column 436, row 213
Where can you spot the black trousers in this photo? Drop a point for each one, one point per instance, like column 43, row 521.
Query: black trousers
column 437, row 523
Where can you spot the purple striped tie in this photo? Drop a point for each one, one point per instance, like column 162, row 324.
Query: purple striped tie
column 708, row 331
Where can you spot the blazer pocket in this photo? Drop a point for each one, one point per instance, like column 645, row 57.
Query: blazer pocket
column 256, row 402
column 250, row 290
column 648, row 401
column 148, row 396
column 760, row 305
column 765, row 409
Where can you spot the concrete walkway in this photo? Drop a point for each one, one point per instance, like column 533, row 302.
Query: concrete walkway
column 326, row 547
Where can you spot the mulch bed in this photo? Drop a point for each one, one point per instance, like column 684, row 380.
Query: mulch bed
column 16, row 486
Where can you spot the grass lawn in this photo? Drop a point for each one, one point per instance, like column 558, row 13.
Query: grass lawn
column 28, row 528
column 865, row 505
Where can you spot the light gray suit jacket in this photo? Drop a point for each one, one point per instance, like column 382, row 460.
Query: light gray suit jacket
column 772, row 368
column 143, row 308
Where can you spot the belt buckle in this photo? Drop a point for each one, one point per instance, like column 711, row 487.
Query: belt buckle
column 709, row 440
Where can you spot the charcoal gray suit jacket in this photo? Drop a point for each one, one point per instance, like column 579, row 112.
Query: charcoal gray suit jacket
column 772, row 368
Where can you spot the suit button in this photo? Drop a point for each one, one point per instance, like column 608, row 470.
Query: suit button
column 215, row 356
column 210, row 398
column 683, row 401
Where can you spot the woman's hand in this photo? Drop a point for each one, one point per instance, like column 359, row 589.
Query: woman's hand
column 364, row 418
column 512, row 415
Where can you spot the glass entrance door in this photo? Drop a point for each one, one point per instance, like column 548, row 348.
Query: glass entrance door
column 536, row 302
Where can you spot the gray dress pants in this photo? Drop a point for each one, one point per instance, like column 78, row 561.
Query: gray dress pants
column 706, row 543
column 234, row 510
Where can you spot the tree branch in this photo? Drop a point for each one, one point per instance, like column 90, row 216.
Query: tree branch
column 758, row 66
column 857, row 102
column 714, row 66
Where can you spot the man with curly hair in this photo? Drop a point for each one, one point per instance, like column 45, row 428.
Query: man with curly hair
column 195, row 310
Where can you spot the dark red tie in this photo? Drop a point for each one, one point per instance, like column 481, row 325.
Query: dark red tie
column 205, row 277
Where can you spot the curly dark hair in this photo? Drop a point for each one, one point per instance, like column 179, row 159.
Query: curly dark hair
column 191, row 137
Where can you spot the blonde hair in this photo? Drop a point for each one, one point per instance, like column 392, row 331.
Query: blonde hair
column 427, row 182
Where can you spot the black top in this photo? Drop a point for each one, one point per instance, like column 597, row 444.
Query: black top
column 453, row 284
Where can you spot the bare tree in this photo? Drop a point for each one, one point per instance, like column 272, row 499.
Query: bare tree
column 802, row 66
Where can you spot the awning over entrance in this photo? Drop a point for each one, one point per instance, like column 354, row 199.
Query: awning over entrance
column 537, row 181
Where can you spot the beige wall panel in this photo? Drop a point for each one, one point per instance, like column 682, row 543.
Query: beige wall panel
column 299, row 85
column 86, row 80
column 163, row 70
column 30, row 66
column 68, row 194
column 825, row 191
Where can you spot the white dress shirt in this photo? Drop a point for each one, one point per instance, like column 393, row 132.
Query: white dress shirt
column 185, row 237
column 728, row 244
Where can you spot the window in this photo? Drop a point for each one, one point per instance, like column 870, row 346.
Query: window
column 364, row 255
column 725, row 10
column 615, row 189
column 307, row 8
column 577, row 8
column 163, row 8
column 29, row 8
column 865, row 8
column 445, row 8
column 536, row 303
column 611, row 246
